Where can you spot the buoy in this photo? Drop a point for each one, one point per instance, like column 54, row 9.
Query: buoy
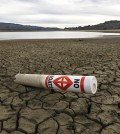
column 82, row 84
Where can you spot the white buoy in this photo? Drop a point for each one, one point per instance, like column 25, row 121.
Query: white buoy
column 83, row 84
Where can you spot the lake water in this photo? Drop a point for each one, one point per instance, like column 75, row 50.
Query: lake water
column 52, row 35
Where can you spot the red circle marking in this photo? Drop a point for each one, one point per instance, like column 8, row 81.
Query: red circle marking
column 82, row 84
column 46, row 82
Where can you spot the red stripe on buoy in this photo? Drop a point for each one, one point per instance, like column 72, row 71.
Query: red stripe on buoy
column 82, row 84
column 46, row 82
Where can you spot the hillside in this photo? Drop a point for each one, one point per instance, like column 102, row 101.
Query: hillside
column 107, row 25
column 18, row 27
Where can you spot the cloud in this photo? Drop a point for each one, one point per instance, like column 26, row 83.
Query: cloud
column 59, row 13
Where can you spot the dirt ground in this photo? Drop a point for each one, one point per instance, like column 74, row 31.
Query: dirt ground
column 26, row 110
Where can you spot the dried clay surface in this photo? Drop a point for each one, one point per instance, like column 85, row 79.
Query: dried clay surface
column 27, row 110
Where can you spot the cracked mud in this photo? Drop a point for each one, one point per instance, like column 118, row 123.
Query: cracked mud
column 26, row 110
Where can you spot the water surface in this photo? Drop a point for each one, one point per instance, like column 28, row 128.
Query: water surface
column 52, row 35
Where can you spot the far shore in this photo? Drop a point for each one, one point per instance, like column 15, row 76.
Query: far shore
column 105, row 31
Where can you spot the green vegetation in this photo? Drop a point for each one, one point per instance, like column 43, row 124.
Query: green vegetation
column 107, row 25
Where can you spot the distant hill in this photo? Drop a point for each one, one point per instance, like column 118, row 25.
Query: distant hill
column 18, row 27
column 107, row 25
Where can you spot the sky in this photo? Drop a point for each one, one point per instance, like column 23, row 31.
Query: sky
column 59, row 13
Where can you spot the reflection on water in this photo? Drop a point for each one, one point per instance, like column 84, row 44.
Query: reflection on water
column 51, row 35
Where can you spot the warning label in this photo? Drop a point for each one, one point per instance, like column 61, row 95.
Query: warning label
column 70, row 83
column 63, row 82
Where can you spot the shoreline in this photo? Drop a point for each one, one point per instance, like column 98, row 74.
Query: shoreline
column 104, row 31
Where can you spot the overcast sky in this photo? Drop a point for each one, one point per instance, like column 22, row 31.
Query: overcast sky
column 59, row 13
